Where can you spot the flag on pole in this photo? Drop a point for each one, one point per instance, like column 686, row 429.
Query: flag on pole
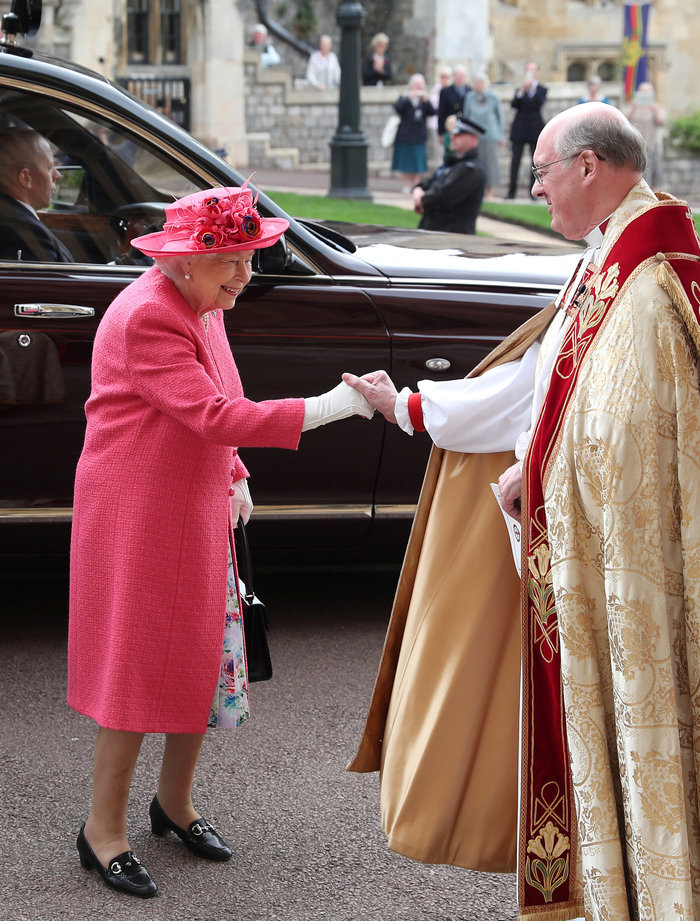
column 634, row 47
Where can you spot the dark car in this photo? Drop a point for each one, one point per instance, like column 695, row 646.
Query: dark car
column 324, row 300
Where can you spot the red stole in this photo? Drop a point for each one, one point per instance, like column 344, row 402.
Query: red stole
column 548, row 842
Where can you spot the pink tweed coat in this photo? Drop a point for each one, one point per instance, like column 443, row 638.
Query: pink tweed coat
column 150, row 536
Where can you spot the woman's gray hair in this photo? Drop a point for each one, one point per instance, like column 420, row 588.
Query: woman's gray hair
column 171, row 266
column 613, row 139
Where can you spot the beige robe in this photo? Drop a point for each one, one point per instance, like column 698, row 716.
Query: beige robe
column 443, row 722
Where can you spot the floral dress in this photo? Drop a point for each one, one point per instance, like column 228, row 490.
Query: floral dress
column 230, row 705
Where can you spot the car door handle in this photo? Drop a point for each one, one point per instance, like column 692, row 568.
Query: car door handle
column 52, row 311
column 438, row 364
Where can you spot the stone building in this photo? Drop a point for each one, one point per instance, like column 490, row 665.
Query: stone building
column 190, row 58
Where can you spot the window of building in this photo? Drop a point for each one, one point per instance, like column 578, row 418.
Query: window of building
column 608, row 70
column 171, row 31
column 576, row 71
column 154, row 30
column 137, row 31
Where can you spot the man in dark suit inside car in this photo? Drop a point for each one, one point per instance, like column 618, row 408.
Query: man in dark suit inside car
column 28, row 180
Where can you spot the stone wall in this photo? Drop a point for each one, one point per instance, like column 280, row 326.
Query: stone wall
column 290, row 126
column 682, row 174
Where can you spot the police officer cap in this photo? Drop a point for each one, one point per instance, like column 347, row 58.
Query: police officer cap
column 467, row 126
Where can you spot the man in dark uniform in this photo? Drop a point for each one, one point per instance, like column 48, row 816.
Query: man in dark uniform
column 451, row 198
column 28, row 180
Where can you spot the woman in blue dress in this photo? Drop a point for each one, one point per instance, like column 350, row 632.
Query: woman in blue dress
column 414, row 108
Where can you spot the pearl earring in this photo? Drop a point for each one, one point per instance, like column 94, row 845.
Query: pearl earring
column 187, row 276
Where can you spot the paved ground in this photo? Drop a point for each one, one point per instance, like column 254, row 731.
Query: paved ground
column 306, row 835
column 386, row 190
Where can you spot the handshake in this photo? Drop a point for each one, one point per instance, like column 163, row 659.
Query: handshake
column 355, row 396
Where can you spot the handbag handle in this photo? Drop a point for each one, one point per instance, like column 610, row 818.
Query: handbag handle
column 245, row 565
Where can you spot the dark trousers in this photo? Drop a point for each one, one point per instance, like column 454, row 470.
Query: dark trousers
column 518, row 147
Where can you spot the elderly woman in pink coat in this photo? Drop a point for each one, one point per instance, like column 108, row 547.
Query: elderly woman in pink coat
column 155, row 639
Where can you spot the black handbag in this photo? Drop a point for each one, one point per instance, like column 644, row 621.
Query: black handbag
column 255, row 621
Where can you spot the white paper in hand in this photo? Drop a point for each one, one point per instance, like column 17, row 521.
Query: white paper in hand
column 514, row 529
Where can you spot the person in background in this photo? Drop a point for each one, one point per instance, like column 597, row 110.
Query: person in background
column 376, row 70
column 649, row 118
column 444, row 79
column 269, row 56
column 528, row 122
column 323, row 69
column 451, row 101
column 451, row 198
column 155, row 639
column 483, row 106
column 595, row 91
column 414, row 109
column 28, row 180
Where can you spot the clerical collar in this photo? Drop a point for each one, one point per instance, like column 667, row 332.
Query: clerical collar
column 595, row 237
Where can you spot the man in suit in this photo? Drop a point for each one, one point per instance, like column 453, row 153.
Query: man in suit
column 451, row 100
column 28, row 179
column 528, row 122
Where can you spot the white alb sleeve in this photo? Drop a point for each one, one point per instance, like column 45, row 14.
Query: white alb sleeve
column 403, row 420
column 481, row 414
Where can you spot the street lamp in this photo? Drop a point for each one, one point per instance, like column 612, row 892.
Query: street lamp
column 349, row 144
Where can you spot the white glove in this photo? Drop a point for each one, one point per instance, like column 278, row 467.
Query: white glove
column 339, row 403
column 241, row 503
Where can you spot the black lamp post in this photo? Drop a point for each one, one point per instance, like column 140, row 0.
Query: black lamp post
column 349, row 144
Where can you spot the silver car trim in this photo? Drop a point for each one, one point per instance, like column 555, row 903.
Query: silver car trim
column 262, row 513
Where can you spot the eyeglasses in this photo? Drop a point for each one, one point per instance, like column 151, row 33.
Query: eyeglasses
column 537, row 171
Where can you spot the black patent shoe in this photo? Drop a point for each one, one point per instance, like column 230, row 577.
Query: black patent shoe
column 200, row 837
column 125, row 873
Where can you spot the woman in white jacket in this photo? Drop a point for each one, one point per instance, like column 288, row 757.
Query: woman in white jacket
column 323, row 69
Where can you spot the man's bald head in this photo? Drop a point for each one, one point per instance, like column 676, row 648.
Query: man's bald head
column 603, row 129
column 27, row 170
column 589, row 156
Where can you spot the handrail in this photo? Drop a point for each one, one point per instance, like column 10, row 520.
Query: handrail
column 302, row 47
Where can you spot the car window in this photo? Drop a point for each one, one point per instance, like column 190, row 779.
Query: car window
column 114, row 183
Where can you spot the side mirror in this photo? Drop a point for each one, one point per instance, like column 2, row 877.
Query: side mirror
column 278, row 259
column 24, row 19
column 28, row 12
column 273, row 260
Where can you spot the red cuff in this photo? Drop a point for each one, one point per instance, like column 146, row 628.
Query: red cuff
column 415, row 412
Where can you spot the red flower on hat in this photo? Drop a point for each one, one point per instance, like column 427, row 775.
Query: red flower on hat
column 213, row 205
column 249, row 225
column 216, row 222
column 209, row 236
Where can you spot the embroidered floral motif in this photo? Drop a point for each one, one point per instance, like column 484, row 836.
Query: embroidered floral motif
column 541, row 592
column 604, row 288
column 549, row 868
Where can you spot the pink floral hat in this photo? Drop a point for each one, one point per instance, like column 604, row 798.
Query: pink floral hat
column 212, row 221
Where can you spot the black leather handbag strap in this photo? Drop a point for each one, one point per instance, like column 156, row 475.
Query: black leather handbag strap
column 243, row 561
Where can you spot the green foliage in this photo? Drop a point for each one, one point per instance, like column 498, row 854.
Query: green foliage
column 344, row 209
column 322, row 207
column 685, row 130
column 525, row 213
column 305, row 21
